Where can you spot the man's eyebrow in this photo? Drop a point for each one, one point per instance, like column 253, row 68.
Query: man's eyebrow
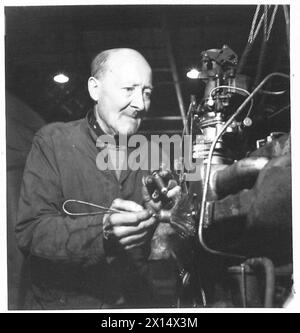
column 146, row 87
column 149, row 87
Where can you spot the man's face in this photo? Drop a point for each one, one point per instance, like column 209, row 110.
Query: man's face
column 124, row 95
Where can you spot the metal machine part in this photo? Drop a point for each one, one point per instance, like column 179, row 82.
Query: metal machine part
column 216, row 121
column 218, row 71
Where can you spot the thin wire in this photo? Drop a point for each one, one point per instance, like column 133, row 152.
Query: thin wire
column 191, row 107
column 253, row 34
column 203, row 296
column 209, row 161
column 279, row 111
column 287, row 24
column 272, row 21
column 250, row 38
column 191, row 139
column 229, row 87
column 258, row 28
column 238, row 90
column 104, row 210
column 265, row 21
column 264, row 18
column 275, row 93
column 187, row 118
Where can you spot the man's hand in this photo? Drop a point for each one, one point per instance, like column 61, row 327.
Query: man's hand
column 164, row 235
column 131, row 228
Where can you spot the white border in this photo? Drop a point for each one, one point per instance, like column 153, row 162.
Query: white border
column 294, row 305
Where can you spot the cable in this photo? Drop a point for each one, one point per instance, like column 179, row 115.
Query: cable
column 273, row 93
column 228, row 87
column 287, row 24
column 255, row 30
column 265, row 22
column 253, row 34
column 279, row 111
column 191, row 108
column 209, row 161
column 238, row 90
column 251, row 39
column 269, row 29
column 266, row 36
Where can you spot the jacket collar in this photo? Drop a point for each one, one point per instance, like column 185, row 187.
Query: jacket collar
column 97, row 132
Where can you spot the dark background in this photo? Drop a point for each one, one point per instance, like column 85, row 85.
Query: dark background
column 42, row 41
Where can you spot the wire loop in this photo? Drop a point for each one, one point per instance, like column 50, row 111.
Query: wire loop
column 104, row 210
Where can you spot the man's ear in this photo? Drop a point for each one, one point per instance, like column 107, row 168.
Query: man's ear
column 93, row 87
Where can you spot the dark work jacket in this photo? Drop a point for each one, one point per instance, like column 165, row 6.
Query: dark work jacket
column 70, row 265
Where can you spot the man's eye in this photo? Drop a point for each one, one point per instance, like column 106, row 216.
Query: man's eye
column 129, row 89
column 147, row 93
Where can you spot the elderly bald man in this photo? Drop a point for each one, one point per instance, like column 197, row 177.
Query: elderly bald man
column 72, row 266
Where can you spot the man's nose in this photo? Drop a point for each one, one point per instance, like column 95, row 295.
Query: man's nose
column 138, row 100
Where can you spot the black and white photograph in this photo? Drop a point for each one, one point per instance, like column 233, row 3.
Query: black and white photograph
column 148, row 156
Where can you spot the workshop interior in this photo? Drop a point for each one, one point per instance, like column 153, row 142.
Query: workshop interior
column 222, row 76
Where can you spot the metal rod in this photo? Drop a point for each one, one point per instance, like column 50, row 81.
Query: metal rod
column 244, row 288
column 167, row 118
column 287, row 22
column 269, row 271
column 174, row 72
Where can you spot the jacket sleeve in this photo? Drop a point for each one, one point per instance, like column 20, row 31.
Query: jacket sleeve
column 42, row 228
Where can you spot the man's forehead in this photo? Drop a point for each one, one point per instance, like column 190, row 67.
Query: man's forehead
column 126, row 60
column 130, row 72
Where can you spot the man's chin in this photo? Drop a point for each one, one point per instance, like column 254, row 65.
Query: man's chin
column 128, row 130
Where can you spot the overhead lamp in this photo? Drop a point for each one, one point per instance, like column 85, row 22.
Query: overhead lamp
column 61, row 78
column 193, row 73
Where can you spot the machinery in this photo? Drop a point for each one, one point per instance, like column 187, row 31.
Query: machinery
column 237, row 217
column 230, row 232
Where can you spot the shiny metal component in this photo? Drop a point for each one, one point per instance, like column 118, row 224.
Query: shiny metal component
column 271, row 137
column 240, row 175
column 164, row 215
column 247, row 122
column 218, row 71
column 159, row 183
column 268, row 267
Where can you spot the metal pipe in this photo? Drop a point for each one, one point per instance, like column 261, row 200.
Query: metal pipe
column 268, row 267
column 244, row 287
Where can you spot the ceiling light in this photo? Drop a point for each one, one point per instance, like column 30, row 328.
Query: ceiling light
column 193, row 73
column 61, row 78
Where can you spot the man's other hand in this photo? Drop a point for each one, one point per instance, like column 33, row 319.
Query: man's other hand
column 132, row 227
